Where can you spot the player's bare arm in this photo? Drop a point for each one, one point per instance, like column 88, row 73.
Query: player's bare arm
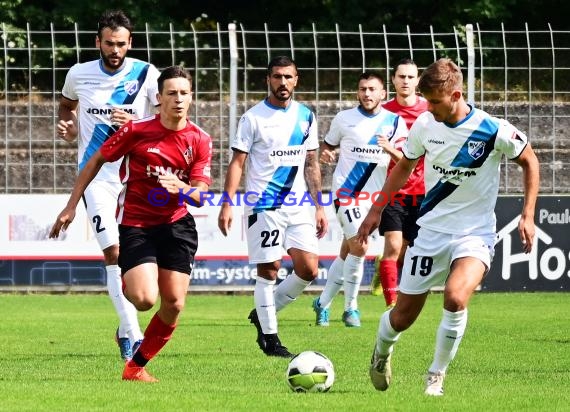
column 531, row 175
column 233, row 177
column 85, row 177
column 396, row 179
column 313, row 179
column 385, row 144
column 67, row 114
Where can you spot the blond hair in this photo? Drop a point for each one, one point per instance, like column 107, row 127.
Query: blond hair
column 443, row 75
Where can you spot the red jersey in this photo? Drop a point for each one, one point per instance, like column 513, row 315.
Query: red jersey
column 150, row 150
column 415, row 184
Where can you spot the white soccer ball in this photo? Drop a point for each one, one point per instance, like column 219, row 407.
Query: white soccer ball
column 310, row 371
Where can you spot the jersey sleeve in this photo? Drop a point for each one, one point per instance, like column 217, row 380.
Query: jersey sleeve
column 201, row 166
column 313, row 139
column 68, row 90
column 413, row 147
column 334, row 134
column 119, row 143
column 244, row 135
column 152, row 84
column 510, row 140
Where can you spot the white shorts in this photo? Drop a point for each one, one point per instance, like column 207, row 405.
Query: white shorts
column 100, row 200
column 351, row 216
column 272, row 232
column 428, row 261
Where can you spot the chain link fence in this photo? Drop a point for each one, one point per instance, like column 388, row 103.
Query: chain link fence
column 521, row 75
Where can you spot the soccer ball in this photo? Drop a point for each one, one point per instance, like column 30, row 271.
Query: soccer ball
column 310, row 371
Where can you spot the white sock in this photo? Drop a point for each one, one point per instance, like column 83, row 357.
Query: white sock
column 265, row 304
column 387, row 336
column 448, row 338
column 334, row 283
column 288, row 290
column 352, row 273
column 128, row 321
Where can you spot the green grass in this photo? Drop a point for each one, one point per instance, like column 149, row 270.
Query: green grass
column 57, row 353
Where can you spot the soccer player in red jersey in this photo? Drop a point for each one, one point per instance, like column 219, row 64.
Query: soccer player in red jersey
column 166, row 164
column 398, row 224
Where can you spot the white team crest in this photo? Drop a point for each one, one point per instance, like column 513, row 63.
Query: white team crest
column 131, row 87
column 476, row 149
column 304, row 127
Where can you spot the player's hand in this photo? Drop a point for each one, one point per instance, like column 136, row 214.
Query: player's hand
column 321, row 223
column 119, row 117
column 368, row 225
column 225, row 219
column 67, row 130
column 63, row 220
column 171, row 183
column 327, row 156
column 383, row 142
column 526, row 232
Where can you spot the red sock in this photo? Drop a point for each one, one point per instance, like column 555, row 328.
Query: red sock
column 156, row 335
column 389, row 279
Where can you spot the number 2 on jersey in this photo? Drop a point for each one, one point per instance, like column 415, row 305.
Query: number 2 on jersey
column 97, row 221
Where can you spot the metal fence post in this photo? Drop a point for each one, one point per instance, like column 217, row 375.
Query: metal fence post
column 233, row 84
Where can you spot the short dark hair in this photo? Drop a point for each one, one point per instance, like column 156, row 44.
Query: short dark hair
column 113, row 19
column 280, row 61
column 401, row 62
column 371, row 75
column 173, row 72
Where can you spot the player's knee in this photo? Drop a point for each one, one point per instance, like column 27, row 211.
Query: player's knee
column 455, row 302
column 356, row 249
column 308, row 276
column 142, row 302
column 111, row 255
column 401, row 320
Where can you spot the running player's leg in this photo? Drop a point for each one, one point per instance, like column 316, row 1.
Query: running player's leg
column 265, row 238
column 100, row 200
column 391, row 229
column 321, row 304
column 426, row 264
column 163, row 259
column 471, row 259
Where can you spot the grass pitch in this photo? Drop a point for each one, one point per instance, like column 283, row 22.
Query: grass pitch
column 57, row 353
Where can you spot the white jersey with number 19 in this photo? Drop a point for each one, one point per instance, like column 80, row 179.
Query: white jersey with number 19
column 462, row 163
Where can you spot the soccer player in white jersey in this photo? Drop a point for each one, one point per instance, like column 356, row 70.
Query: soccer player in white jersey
column 277, row 138
column 463, row 147
column 99, row 96
column 365, row 136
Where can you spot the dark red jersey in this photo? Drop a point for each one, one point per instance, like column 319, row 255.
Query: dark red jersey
column 149, row 150
column 415, row 184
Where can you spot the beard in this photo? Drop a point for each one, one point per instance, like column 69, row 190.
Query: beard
column 370, row 106
column 114, row 66
column 279, row 95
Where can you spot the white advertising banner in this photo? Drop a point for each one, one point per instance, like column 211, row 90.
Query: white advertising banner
column 25, row 222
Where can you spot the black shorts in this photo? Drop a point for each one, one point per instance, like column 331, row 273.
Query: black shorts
column 171, row 246
column 402, row 218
